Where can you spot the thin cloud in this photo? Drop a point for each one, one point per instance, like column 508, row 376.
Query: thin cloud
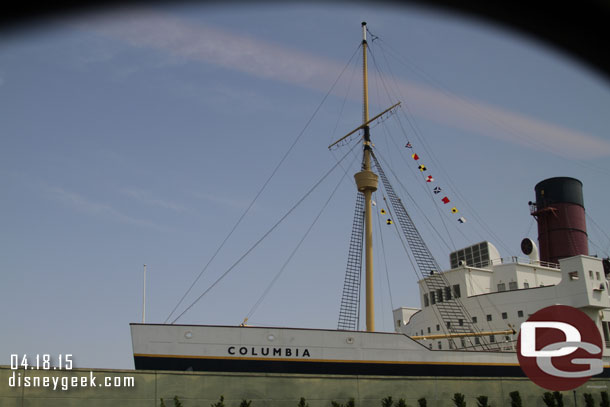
column 148, row 199
column 271, row 61
column 498, row 123
column 194, row 42
column 82, row 204
column 223, row 201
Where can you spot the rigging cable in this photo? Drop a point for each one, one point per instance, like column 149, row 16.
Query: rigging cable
column 419, row 275
column 431, row 196
column 277, row 276
column 385, row 259
column 491, row 115
column 347, row 91
column 258, row 194
column 429, row 222
column 411, row 198
column 436, row 205
column 423, row 256
column 354, row 71
column 417, row 133
column 592, row 221
column 418, row 272
column 243, row 256
column 379, row 281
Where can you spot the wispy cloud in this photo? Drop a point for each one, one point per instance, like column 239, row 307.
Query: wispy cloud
column 147, row 198
column 145, row 28
column 495, row 122
column 266, row 60
column 80, row 203
column 224, row 200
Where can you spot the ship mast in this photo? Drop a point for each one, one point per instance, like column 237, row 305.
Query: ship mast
column 366, row 182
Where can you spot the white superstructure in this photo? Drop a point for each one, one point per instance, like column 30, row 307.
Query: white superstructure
column 500, row 294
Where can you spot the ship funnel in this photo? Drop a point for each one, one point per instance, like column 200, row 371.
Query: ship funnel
column 560, row 213
column 528, row 247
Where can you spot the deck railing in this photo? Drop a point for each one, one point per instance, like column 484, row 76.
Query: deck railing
column 513, row 260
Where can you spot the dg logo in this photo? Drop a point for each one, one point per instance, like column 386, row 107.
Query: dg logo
column 560, row 348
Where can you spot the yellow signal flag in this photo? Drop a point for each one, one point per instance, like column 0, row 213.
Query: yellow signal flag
column 389, row 221
column 454, row 210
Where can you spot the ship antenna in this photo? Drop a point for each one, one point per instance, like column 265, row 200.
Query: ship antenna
column 366, row 181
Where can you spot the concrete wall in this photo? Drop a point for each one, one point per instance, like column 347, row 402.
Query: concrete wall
column 269, row 390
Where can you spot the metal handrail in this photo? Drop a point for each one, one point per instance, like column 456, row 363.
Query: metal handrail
column 513, row 259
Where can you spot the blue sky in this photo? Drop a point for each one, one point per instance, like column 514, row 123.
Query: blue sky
column 141, row 135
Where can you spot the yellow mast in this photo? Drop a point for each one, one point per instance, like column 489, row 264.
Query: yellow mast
column 366, row 181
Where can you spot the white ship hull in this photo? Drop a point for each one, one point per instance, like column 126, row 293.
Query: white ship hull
column 311, row 351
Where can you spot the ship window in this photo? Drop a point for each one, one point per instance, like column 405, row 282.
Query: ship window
column 477, row 341
column 460, row 322
column 448, row 324
column 507, row 338
column 474, row 320
column 512, row 285
column 447, row 293
column 489, row 317
column 504, row 315
column 526, row 285
column 451, row 345
column 439, row 295
column 398, row 322
column 456, row 291
column 501, row 287
column 590, row 273
column 520, row 314
column 428, row 329
column 426, row 300
column 597, row 275
column 432, row 298
column 492, row 339
column 438, row 327
column 463, row 342
column 430, row 346
column 440, row 345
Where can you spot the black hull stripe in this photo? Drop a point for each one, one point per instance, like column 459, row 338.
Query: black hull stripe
column 351, row 368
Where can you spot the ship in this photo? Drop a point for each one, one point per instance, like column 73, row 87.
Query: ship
column 470, row 315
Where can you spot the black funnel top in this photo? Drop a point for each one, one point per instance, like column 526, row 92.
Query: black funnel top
column 558, row 190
